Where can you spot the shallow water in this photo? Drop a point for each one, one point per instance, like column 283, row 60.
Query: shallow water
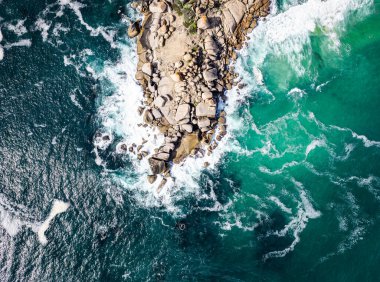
column 292, row 193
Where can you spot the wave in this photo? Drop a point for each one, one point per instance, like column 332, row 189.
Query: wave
column 13, row 217
column 299, row 222
column 288, row 33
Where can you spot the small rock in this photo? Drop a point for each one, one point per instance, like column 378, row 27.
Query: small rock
column 152, row 178
column 187, row 127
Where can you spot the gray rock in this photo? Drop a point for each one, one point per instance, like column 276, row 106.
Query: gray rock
column 183, row 111
column 203, row 23
column 148, row 116
column 156, row 113
column 162, row 156
column 237, row 9
column 210, row 74
column 203, row 122
column 204, row 109
column 157, row 7
column 159, row 102
column 157, row 166
column 229, row 22
column 147, row 68
column 152, row 178
column 207, row 95
column 162, row 184
column 187, row 127
column 134, row 29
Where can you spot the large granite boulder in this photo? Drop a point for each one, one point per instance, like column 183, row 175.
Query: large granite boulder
column 205, row 109
column 237, row 9
column 229, row 22
column 157, row 7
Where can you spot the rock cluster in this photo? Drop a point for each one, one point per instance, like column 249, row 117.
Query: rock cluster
column 184, row 75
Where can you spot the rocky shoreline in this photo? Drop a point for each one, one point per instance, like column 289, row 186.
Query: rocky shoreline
column 186, row 49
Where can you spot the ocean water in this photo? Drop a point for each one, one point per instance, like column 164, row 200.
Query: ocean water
column 292, row 193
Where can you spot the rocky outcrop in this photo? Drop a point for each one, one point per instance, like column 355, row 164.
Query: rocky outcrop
column 185, row 51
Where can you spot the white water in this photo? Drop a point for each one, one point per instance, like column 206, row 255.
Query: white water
column 57, row 208
column 13, row 217
column 283, row 34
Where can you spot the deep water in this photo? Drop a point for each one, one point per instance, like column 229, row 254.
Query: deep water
column 293, row 193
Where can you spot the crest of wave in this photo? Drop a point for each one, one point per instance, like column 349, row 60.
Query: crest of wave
column 288, row 33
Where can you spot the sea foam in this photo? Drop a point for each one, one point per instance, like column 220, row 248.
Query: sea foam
column 57, row 208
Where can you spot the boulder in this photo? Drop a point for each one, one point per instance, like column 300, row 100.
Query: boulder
column 157, row 7
column 203, row 22
column 204, row 109
column 148, row 116
column 134, row 29
column 152, row 178
column 156, row 113
column 187, row 57
column 157, row 166
column 165, row 86
column 183, row 111
column 147, row 69
column 162, row 184
column 210, row 74
column 237, row 9
column 162, row 156
column 187, row 127
column 229, row 22
column 206, row 95
column 163, row 30
column 203, row 122
column 176, row 77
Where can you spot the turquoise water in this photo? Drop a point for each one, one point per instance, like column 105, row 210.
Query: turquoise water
column 291, row 195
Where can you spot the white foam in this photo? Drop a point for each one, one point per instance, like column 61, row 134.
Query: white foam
column 367, row 142
column 75, row 6
column 44, row 27
column 14, row 216
column 1, row 53
column 73, row 98
column 298, row 223
column 314, row 144
column 280, row 204
column 1, row 35
column 18, row 28
column 296, row 93
column 288, row 33
column 57, row 208
column 21, row 43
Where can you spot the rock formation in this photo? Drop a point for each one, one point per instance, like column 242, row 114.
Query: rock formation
column 185, row 50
